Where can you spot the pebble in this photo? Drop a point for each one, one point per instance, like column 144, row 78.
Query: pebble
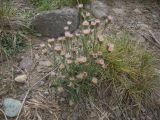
column 21, row 78
column 99, row 9
column 11, row 107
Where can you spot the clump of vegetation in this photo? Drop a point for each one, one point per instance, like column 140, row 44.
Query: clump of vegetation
column 11, row 43
column 90, row 63
column 6, row 9
column 53, row 4
column 6, row 12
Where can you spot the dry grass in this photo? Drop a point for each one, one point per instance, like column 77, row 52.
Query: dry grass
column 45, row 5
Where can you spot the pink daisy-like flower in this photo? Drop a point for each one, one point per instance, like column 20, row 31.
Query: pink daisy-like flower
column 85, row 23
column 93, row 23
column 86, row 31
column 68, row 34
column 110, row 47
column 100, row 61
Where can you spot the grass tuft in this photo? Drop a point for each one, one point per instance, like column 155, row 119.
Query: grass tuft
column 44, row 5
column 11, row 43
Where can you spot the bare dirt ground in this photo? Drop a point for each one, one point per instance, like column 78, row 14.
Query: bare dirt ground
column 141, row 19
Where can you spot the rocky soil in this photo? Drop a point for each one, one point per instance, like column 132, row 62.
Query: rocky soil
column 141, row 19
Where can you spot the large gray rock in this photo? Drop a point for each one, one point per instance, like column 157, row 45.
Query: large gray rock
column 12, row 107
column 98, row 9
column 52, row 23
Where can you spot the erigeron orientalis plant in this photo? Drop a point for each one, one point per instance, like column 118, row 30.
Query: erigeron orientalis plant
column 88, row 61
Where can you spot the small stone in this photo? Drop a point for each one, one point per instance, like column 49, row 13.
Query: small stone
column 45, row 63
column 118, row 11
column 11, row 107
column 99, row 9
column 26, row 63
column 21, row 78
column 137, row 11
